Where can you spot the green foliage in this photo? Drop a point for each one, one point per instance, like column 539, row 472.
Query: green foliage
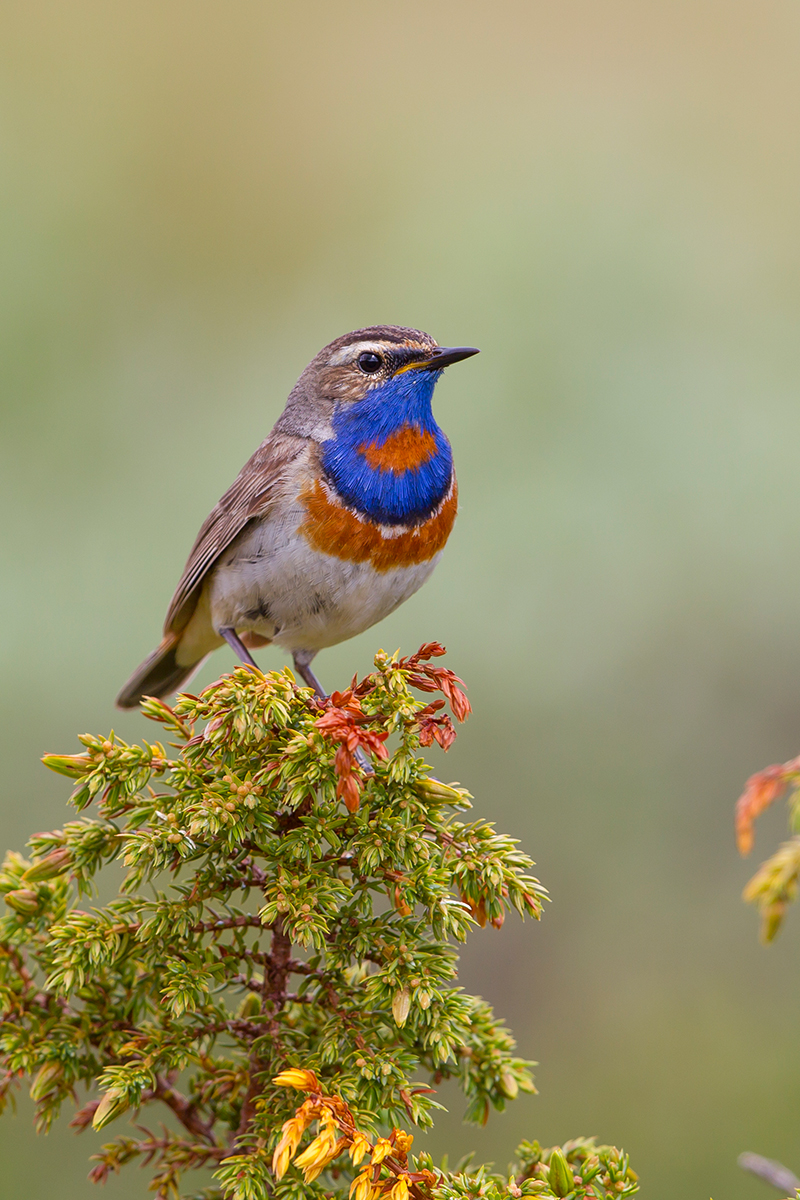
column 577, row 1169
column 282, row 909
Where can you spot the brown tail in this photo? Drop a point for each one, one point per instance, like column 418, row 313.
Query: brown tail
column 158, row 675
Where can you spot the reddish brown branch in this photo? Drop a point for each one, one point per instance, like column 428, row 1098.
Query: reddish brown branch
column 241, row 922
column 277, row 966
column 185, row 1110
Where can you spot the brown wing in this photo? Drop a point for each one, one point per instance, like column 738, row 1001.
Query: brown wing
column 250, row 495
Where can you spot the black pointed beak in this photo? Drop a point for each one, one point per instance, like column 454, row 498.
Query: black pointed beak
column 443, row 356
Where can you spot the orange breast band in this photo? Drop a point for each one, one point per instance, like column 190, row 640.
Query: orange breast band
column 335, row 530
column 403, row 450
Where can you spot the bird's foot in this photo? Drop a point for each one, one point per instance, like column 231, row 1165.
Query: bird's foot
column 303, row 667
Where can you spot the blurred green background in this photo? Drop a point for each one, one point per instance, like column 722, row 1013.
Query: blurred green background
column 194, row 198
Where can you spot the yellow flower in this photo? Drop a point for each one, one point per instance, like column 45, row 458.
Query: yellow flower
column 295, row 1077
column 383, row 1148
column 403, row 1141
column 316, row 1150
column 361, row 1187
column 282, row 1157
column 361, row 1146
column 400, row 1189
column 292, row 1131
column 315, row 1158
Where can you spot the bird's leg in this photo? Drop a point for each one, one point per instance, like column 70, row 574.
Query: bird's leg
column 238, row 647
column 302, row 664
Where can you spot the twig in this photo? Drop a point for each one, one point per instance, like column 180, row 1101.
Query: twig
column 241, row 922
column 184, row 1110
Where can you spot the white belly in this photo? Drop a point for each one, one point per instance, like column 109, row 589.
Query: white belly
column 271, row 582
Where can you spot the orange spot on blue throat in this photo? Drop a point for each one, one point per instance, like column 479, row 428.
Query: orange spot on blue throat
column 388, row 459
column 407, row 449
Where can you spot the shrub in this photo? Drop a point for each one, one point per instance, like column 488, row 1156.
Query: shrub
column 276, row 974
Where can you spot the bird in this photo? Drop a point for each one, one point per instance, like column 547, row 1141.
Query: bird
column 339, row 516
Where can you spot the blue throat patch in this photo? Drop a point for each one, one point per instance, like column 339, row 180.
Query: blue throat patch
column 387, row 498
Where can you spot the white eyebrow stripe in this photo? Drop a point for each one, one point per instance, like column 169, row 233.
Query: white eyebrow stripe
column 350, row 353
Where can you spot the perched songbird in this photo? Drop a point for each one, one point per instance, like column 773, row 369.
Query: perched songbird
column 339, row 516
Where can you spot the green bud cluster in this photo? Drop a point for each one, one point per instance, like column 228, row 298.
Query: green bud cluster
column 578, row 1170
column 260, row 925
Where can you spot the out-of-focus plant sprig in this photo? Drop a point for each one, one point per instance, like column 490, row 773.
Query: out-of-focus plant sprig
column 774, row 885
column 286, row 919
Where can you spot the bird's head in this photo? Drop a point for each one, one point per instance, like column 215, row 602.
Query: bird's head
column 366, row 400
column 376, row 359
column 381, row 377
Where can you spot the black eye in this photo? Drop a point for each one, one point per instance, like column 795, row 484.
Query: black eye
column 370, row 362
